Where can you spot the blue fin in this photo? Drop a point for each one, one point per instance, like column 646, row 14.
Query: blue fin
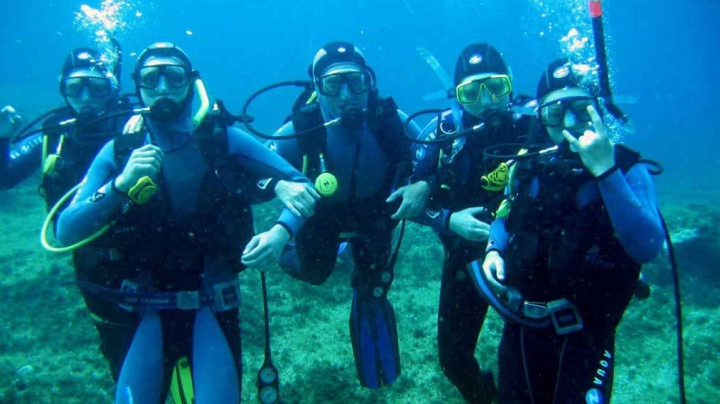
column 375, row 341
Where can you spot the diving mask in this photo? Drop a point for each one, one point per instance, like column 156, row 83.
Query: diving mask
column 468, row 92
column 553, row 113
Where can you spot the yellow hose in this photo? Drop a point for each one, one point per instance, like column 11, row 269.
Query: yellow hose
column 304, row 164
column 51, row 215
column 204, row 103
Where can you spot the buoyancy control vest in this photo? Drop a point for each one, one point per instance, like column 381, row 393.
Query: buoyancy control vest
column 559, row 250
column 68, row 152
column 384, row 123
column 455, row 192
column 149, row 237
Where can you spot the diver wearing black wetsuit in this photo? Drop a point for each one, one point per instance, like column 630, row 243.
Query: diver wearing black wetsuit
column 361, row 152
column 64, row 152
column 570, row 239
column 460, row 207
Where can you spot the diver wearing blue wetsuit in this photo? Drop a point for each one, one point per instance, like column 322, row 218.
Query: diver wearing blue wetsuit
column 90, row 88
column 568, row 244
column 354, row 162
column 184, row 243
column 460, row 204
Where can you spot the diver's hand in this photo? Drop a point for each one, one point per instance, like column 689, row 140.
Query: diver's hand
column 494, row 268
column 299, row 198
column 10, row 122
column 467, row 226
column 134, row 125
column 595, row 148
column 144, row 161
column 264, row 249
column 414, row 198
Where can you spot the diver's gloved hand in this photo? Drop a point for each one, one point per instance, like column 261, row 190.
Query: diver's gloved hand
column 494, row 268
column 414, row 198
column 464, row 224
column 595, row 148
column 264, row 249
column 134, row 125
column 10, row 122
column 299, row 198
column 144, row 161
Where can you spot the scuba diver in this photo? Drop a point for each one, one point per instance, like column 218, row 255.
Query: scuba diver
column 351, row 143
column 64, row 148
column 173, row 200
column 566, row 247
column 458, row 203
column 71, row 136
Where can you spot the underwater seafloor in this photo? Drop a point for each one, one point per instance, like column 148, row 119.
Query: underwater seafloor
column 49, row 354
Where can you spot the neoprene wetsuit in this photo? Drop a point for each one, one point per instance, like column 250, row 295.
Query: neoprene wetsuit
column 454, row 187
column 569, row 235
column 358, row 212
column 77, row 151
column 188, row 237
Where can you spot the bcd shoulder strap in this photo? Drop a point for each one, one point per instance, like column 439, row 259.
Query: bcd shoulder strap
column 312, row 142
column 123, row 146
column 387, row 127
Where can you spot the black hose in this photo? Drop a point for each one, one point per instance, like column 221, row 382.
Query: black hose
column 267, row 367
column 445, row 138
column 266, row 313
column 678, row 311
column 84, row 125
column 411, row 117
column 655, row 167
column 22, row 132
column 247, row 119
column 104, row 118
column 488, row 152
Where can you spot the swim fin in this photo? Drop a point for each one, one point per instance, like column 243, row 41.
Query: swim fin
column 375, row 341
column 181, row 386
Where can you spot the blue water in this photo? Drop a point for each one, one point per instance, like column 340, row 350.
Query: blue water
column 664, row 53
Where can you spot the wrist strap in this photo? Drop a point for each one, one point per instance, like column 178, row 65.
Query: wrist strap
column 286, row 227
column 115, row 188
column 607, row 173
column 447, row 221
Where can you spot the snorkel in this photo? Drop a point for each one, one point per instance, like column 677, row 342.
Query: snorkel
column 447, row 84
column 458, row 141
column 605, row 91
column 204, row 102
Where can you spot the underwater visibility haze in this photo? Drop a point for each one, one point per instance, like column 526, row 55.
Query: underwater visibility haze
column 663, row 59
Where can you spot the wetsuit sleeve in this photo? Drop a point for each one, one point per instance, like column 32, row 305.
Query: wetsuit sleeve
column 435, row 219
column 631, row 205
column 260, row 163
column 265, row 188
column 95, row 204
column 17, row 163
column 425, row 167
column 498, row 238
column 413, row 132
column 425, row 156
